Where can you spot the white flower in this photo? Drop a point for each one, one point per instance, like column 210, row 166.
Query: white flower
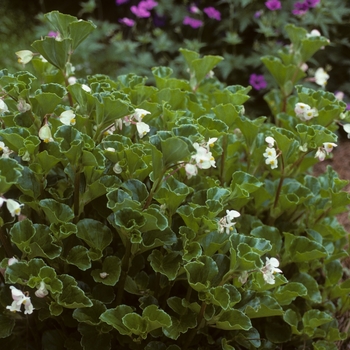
column 139, row 114
column 18, row 299
column 211, row 142
column 328, row 146
column 225, row 223
column 85, row 88
column 270, row 152
column 23, row 106
column 72, row 80
column 12, row 261
column 339, row 95
column 24, row 56
column 203, row 158
column 272, row 161
column 303, row 148
column 270, row 268
column 313, row 33
column 304, row 111
column 270, row 141
column 117, row 168
column 104, row 275
column 3, row 106
column 13, row 207
column 142, row 129
column 346, row 128
column 320, row 154
column 321, row 77
column 110, row 149
column 42, row 292
column 191, row 170
column 300, row 108
column 45, row 133
column 67, row 117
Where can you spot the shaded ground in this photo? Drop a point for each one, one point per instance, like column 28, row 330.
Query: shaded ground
column 341, row 163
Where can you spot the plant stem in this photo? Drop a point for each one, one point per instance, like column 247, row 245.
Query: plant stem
column 6, row 244
column 76, row 196
column 124, row 272
column 193, row 332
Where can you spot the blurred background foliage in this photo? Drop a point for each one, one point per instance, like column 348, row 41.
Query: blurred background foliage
column 246, row 31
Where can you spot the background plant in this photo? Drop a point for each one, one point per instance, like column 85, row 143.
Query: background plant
column 118, row 243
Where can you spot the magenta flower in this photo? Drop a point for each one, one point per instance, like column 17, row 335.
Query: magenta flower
column 257, row 81
column 120, row 2
column 194, row 9
column 147, row 4
column 257, row 14
column 273, row 5
column 194, row 23
column 312, row 3
column 140, row 12
column 211, row 12
column 53, row 34
column 300, row 8
column 348, row 106
column 127, row 21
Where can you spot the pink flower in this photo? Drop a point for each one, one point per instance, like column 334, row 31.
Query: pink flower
column 148, row 4
column 300, row 8
column 257, row 81
column 140, row 12
column 194, row 23
column 312, row 3
column 53, row 34
column 194, row 9
column 273, row 5
column 211, row 12
column 127, row 21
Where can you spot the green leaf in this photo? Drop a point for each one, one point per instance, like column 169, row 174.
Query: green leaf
column 282, row 73
column 201, row 273
column 21, row 234
column 262, row 306
column 313, row 292
column 114, row 317
column 94, row 338
column 56, row 52
column 10, row 172
column 289, row 292
column 109, row 273
column 90, row 315
column 79, row 257
column 6, row 326
column 94, row 233
column 174, row 150
column 313, row 319
column 72, row 296
column 233, row 320
column 57, row 213
column 168, row 264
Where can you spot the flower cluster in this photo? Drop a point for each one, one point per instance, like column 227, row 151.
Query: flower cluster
column 321, row 77
column 270, row 153
column 142, row 127
column 225, row 223
column 324, row 150
column 3, row 106
column 301, row 7
column 5, row 150
column 304, row 112
column 12, row 206
column 257, row 81
column 203, row 159
column 19, row 299
column 269, row 270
